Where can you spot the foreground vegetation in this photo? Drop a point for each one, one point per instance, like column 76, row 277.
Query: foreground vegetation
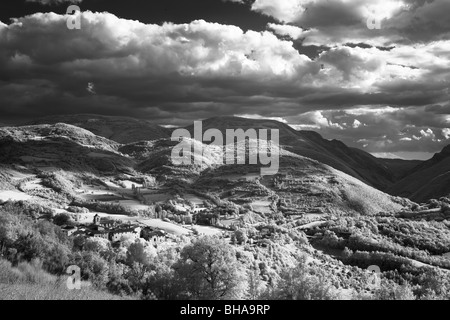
column 36, row 254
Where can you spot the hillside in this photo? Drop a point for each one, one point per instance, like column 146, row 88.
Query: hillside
column 57, row 176
column 60, row 146
column 430, row 179
column 305, row 186
column 119, row 129
column 354, row 162
column 401, row 168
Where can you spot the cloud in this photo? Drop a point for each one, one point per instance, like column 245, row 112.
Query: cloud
column 91, row 88
column 446, row 133
column 357, row 124
column 317, row 119
column 386, row 155
column 175, row 73
column 341, row 21
column 259, row 117
column 150, row 69
column 428, row 133
column 284, row 11
column 286, row 30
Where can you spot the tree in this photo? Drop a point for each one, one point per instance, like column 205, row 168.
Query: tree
column 162, row 281
column 392, row 291
column 30, row 246
column 304, row 283
column 208, row 269
column 96, row 245
column 241, row 236
column 62, row 219
column 434, row 282
column 93, row 267
column 10, row 228
column 255, row 285
column 140, row 252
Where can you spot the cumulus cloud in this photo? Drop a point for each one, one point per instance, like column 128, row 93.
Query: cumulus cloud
column 356, row 124
column 318, row 119
column 259, row 117
column 446, row 133
column 365, row 95
column 284, row 11
column 155, row 69
column 341, row 21
column 286, row 30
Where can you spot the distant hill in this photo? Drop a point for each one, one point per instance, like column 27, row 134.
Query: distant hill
column 430, row 179
column 352, row 161
column 400, row 167
column 134, row 134
column 73, row 149
column 320, row 187
column 119, row 129
column 61, row 146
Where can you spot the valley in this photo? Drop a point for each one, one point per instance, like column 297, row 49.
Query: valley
column 333, row 222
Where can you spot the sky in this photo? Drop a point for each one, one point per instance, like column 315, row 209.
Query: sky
column 372, row 73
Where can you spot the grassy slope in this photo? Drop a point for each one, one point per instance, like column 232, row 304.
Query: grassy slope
column 347, row 194
column 354, row 162
column 62, row 146
column 28, row 281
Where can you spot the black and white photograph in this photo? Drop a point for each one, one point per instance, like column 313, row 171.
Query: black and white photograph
column 224, row 154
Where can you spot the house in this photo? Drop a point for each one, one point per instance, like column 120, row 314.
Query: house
column 199, row 209
column 69, row 230
column 107, row 223
column 99, row 234
column 156, row 237
column 117, row 234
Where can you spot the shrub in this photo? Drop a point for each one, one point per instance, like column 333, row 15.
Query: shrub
column 62, row 219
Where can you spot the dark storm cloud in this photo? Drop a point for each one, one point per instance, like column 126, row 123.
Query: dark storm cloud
column 402, row 21
column 155, row 12
column 150, row 67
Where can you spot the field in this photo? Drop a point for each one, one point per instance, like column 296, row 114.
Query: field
column 13, row 195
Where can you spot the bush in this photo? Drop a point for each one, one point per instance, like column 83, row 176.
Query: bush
column 241, row 236
column 304, row 282
column 24, row 273
column 208, row 269
column 62, row 219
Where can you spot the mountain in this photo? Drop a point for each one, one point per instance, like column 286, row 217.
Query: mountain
column 400, row 167
column 305, row 185
column 60, row 146
column 352, row 161
column 430, row 179
column 119, row 129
